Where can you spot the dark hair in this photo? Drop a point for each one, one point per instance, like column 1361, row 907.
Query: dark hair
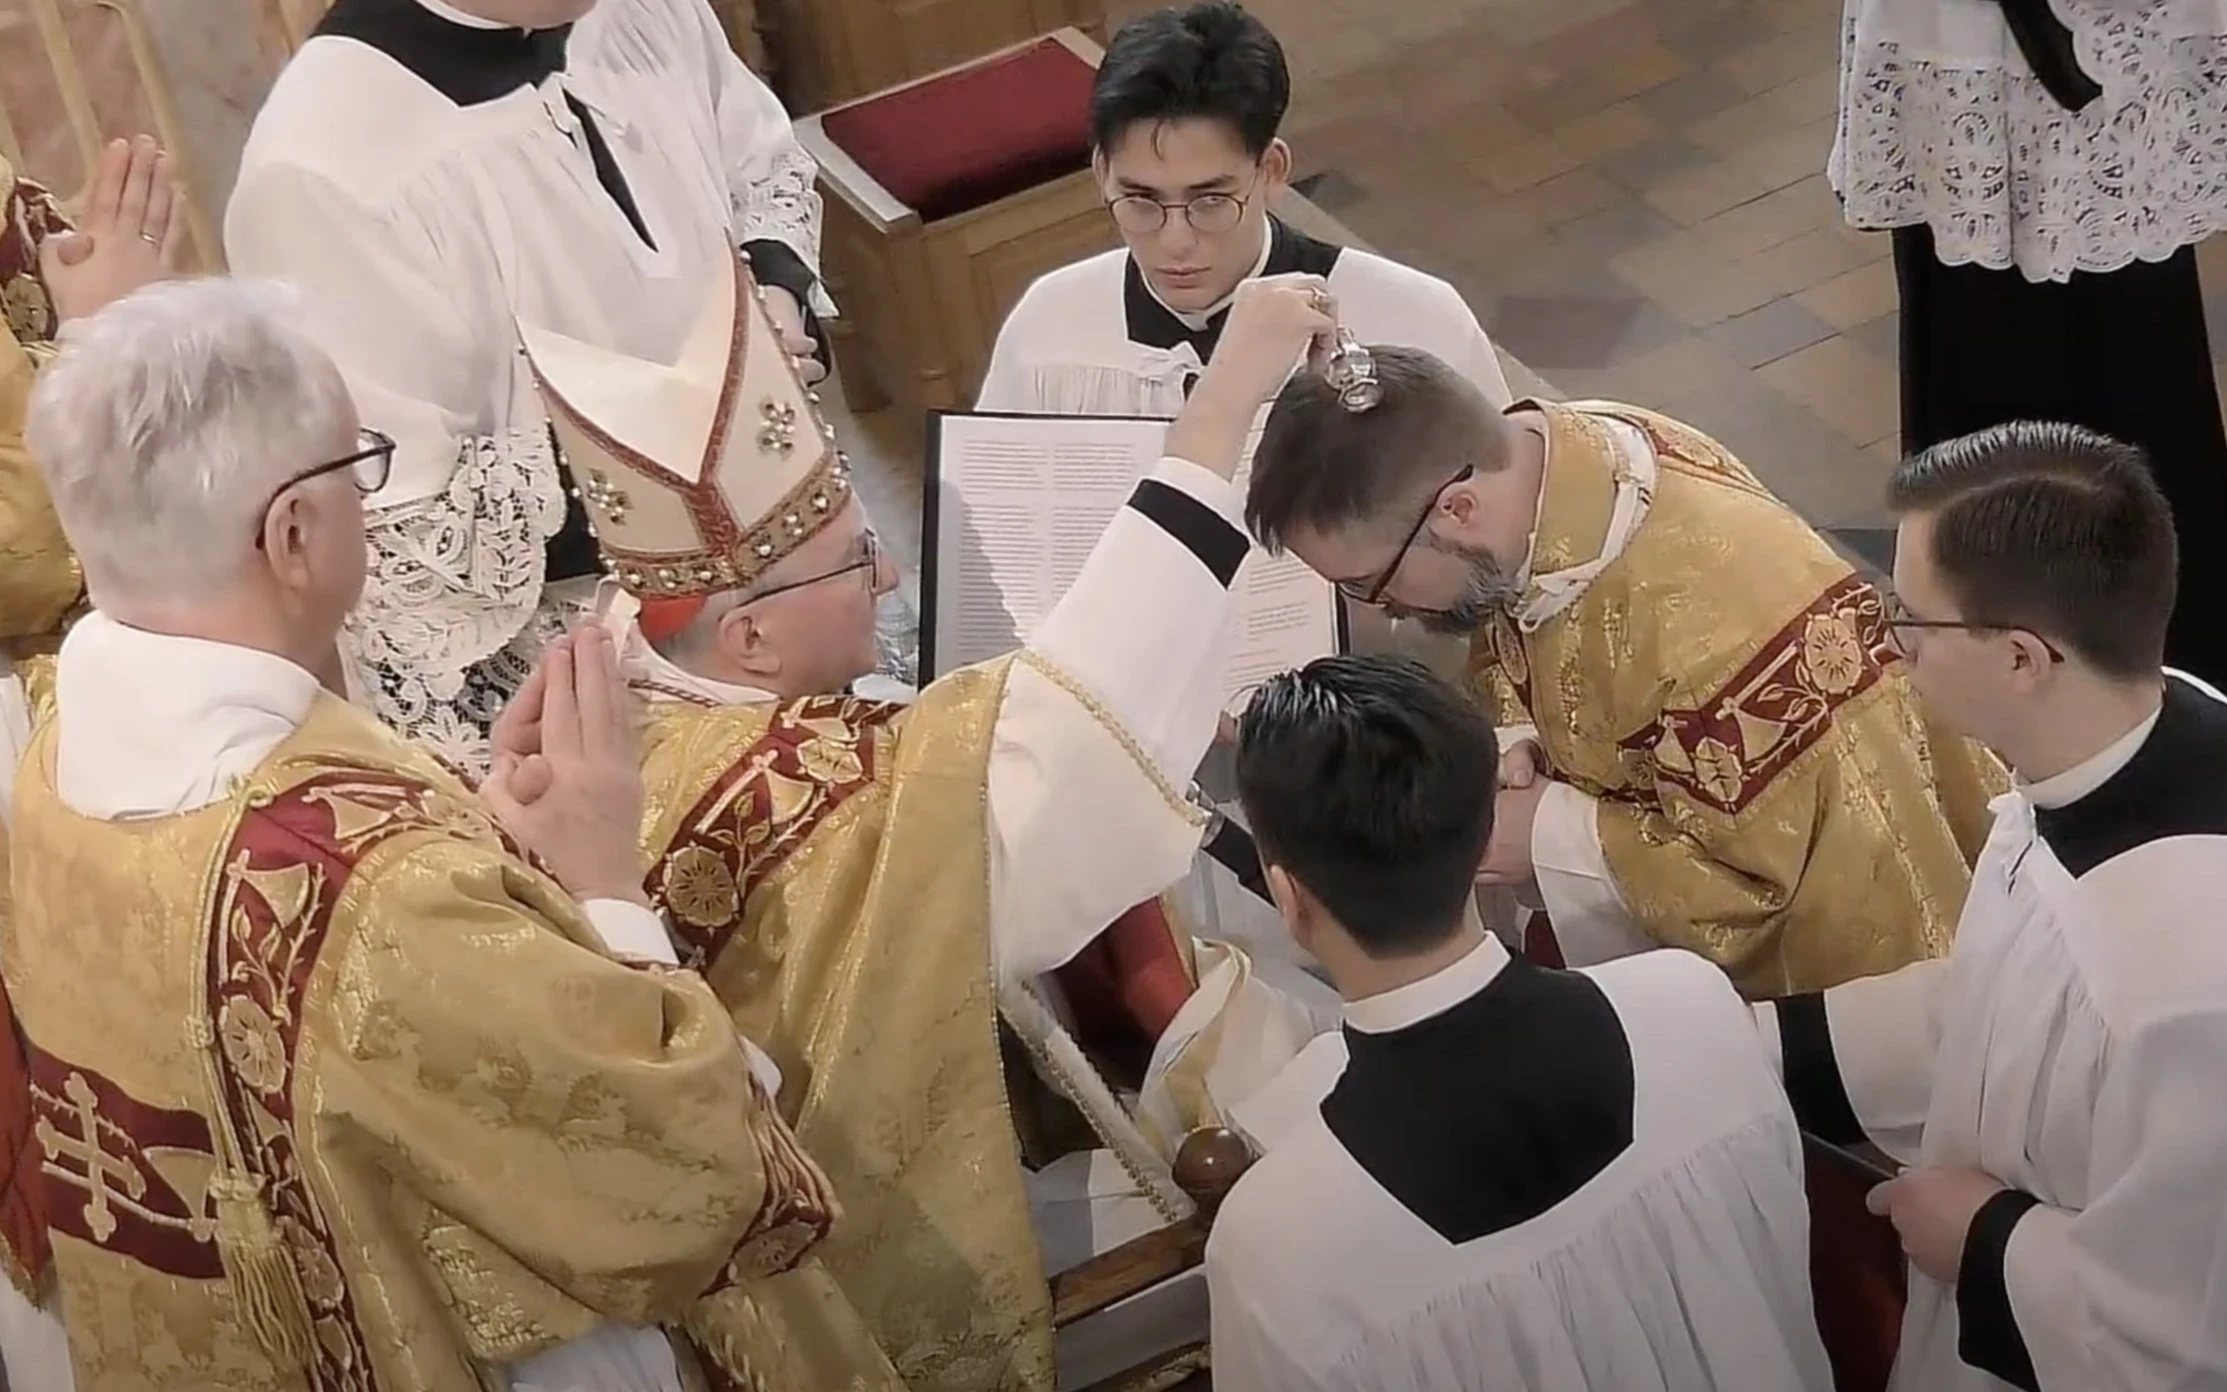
column 1210, row 60
column 1323, row 467
column 2051, row 528
column 1371, row 782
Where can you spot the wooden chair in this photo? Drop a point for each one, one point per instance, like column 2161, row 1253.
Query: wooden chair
column 831, row 51
column 945, row 198
column 1207, row 1165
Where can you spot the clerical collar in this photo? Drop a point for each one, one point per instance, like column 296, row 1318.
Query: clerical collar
column 2083, row 778
column 1410, row 1005
column 2170, row 782
column 456, row 16
column 458, row 55
column 1152, row 324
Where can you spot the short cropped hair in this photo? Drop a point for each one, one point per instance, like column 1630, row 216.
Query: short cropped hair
column 166, row 424
column 1209, row 60
column 1371, row 782
column 2052, row 528
column 1324, row 468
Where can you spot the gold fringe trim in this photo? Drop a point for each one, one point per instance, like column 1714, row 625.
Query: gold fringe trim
column 1182, row 806
column 272, row 1304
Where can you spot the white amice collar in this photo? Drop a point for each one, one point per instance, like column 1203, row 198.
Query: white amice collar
column 1435, row 994
column 453, row 15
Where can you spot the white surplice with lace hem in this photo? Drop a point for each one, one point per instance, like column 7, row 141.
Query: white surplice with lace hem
column 1943, row 123
column 422, row 231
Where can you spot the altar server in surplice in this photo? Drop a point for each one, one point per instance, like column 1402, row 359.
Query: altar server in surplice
column 1519, row 1178
column 2055, row 1081
column 430, row 172
column 1184, row 113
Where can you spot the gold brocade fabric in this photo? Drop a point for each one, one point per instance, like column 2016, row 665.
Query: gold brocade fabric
column 334, row 1095
column 1772, row 795
column 827, row 860
column 39, row 578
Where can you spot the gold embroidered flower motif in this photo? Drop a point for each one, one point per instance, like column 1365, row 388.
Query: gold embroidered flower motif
column 1717, row 769
column 830, row 762
column 252, row 1045
column 699, row 890
column 1832, row 655
column 606, row 496
column 779, row 433
column 320, row 1278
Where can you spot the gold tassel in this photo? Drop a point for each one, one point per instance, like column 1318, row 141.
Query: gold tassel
column 261, row 1270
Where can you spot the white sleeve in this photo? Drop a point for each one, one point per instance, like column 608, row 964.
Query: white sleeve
column 1008, row 383
column 1248, row 1354
column 1482, row 367
column 1591, row 923
column 1107, row 713
column 1858, row 1059
column 770, row 178
column 2125, row 1295
column 421, row 332
column 633, row 933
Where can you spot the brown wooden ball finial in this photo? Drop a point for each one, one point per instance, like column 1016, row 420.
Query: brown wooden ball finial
column 1208, row 1165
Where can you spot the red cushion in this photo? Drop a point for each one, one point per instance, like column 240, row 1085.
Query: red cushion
column 966, row 139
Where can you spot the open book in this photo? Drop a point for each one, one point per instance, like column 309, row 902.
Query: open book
column 1014, row 505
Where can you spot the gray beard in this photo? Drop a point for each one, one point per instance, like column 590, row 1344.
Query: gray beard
column 1489, row 590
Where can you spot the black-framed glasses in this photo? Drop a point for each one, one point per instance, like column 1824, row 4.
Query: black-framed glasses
column 1899, row 618
column 368, row 468
column 1370, row 592
column 869, row 559
column 1210, row 213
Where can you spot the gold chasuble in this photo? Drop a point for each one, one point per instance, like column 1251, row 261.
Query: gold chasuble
column 334, row 1092
column 826, row 861
column 1771, row 795
column 39, row 578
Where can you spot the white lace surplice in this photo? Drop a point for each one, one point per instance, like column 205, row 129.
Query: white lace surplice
column 1943, row 123
column 423, row 231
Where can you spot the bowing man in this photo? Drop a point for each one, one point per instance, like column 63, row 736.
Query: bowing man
column 1518, row 1178
column 2056, row 1079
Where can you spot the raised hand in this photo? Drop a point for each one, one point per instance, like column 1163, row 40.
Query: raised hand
column 1273, row 323
column 132, row 231
column 567, row 781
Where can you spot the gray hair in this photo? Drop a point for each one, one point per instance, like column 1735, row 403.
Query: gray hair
column 166, row 424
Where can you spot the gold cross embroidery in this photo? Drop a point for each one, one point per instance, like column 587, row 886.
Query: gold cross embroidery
column 100, row 1166
column 600, row 491
column 779, row 434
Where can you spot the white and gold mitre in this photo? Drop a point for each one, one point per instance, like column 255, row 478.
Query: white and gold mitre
column 701, row 473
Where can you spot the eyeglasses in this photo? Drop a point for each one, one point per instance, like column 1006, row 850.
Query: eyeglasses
column 369, row 466
column 1210, row 213
column 869, row 560
column 1371, row 591
column 1898, row 619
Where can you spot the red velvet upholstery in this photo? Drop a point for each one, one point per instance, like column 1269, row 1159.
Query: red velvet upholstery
column 964, row 140
column 1857, row 1275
